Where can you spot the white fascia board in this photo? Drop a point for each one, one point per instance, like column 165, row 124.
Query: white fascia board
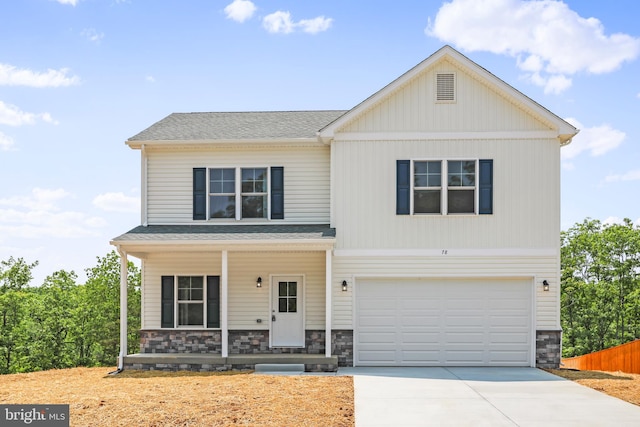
column 421, row 136
column 262, row 245
column 223, row 142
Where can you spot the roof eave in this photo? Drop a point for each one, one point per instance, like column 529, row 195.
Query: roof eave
column 137, row 144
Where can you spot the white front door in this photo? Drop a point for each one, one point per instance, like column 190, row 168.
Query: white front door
column 287, row 317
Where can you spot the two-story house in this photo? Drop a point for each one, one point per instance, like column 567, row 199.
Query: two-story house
column 420, row 228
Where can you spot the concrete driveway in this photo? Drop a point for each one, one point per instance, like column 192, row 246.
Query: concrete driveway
column 480, row 397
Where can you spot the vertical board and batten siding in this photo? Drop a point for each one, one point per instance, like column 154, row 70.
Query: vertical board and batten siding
column 526, row 196
column 478, row 108
column 246, row 302
column 306, row 180
column 352, row 268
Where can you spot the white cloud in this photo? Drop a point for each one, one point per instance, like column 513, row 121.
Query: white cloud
column 39, row 215
column 315, row 25
column 633, row 175
column 92, row 35
column 278, row 22
column 13, row 76
column 71, row 2
column 281, row 22
column 240, row 10
column 117, row 202
column 150, row 79
column 596, row 140
column 14, row 116
column 6, row 142
column 549, row 41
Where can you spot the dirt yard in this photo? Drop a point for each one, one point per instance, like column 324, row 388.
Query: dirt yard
column 618, row 384
column 186, row 399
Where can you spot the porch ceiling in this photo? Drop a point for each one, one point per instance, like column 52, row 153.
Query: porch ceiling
column 143, row 240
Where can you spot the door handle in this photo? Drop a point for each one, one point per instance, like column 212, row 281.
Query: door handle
column 273, row 318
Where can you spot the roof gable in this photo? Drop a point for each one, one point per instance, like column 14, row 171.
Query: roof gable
column 528, row 114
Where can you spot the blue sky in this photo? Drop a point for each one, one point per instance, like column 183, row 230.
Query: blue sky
column 79, row 77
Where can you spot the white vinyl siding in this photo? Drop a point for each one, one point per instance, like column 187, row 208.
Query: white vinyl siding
column 526, row 196
column 413, row 108
column 532, row 266
column 170, row 174
column 246, row 302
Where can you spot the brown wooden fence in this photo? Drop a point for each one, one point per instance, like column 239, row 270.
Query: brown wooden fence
column 625, row 358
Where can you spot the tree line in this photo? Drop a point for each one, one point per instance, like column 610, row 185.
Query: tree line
column 600, row 265
column 62, row 323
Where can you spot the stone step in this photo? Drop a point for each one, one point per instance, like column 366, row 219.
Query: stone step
column 279, row 368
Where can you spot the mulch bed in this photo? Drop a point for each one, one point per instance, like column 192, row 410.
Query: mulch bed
column 136, row 398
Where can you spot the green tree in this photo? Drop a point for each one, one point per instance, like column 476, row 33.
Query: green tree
column 15, row 276
column 102, row 304
column 49, row 327
column 600, row 286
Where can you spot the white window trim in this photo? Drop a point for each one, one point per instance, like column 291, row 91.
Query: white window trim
column 444, row 187
column 238, row 193
column 176, row 303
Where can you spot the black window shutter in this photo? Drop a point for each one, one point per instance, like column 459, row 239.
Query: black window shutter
column 199, row 193
column 486, row 187
column 403, row 178
column 277, row 192
column 213, row 301
column 167, row 308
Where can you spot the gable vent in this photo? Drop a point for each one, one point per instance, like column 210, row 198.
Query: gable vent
column 445, row 87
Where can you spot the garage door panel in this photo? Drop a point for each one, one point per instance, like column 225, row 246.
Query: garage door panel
column 445, row 322
column 422, row 357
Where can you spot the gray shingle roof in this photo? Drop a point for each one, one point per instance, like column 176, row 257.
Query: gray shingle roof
column 237, row 126
column 227, row 232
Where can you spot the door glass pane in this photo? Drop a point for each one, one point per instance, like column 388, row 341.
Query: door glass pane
column 282, row 289
column 292, row 307
column 282, row 305
column 293, row 287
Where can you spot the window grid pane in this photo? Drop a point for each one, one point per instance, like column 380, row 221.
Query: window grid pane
column 222, row 181
column 254, row 180
column 461, row 173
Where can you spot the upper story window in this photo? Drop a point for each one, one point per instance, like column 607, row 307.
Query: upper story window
column 254, row 193
column 240, row 193
column 222, row 193
column 453, row 195
column 444, row 187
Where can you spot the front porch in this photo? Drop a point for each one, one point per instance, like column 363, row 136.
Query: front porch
column 216, row 362
column 220, row 298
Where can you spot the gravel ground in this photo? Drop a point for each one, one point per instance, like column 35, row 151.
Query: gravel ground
column 618, row 384
column 185, row 398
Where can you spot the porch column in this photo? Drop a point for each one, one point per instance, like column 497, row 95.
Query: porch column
column 124, row 272
column 328, row 303
column 224, row 278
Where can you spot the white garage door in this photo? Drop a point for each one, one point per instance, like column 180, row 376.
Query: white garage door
column 443, row 322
